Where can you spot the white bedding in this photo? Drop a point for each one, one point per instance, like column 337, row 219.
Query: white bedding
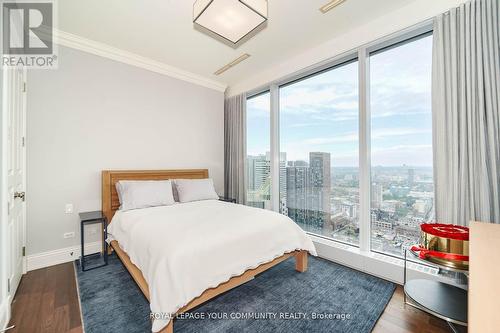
column 184, row 249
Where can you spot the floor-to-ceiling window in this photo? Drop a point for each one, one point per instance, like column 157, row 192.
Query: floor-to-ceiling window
column 319, row 174
column 335, row 180
column 402, row 189
column 258, row 165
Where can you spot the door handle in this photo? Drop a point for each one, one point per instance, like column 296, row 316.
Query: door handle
column 20, row 195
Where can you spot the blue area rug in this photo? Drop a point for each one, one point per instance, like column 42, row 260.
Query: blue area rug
column 327, row 298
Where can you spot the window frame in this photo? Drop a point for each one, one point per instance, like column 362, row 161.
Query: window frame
column 362, row 55
column 342, row 61
column 245, row 168
column 416, row 35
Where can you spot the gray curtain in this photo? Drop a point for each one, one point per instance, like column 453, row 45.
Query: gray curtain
column 466, row 121
column 235, row 147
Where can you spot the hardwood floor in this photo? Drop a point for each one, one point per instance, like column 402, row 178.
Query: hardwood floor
column 400, row 318
column 47, row 301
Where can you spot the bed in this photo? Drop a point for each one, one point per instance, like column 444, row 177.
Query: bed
column 185, row 254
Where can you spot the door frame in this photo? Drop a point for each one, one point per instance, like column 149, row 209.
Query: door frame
column 25, row 111
column 5, row 297
column 4, row 249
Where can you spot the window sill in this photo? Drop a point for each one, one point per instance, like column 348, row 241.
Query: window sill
column 377, row 264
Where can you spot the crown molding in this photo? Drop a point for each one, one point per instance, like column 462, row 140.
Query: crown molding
column 103, row 50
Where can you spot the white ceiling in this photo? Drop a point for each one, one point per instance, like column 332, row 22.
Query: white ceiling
column 162, row 30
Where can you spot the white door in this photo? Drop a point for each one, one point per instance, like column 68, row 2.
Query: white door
column 15, row 104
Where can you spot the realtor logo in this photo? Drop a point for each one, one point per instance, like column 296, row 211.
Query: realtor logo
column 27, row 34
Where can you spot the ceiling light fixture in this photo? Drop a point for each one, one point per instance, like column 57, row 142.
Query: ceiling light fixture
column 232, row 64
column 230, row 19
column 330, row 5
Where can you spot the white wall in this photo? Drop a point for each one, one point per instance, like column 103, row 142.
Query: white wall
column 93, row 114
column 414, row 13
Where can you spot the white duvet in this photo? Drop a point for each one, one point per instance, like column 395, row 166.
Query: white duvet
column 184, row 249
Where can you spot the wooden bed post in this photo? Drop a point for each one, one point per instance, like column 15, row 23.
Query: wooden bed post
column 301, row 261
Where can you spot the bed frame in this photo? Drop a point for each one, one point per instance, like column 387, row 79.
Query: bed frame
column 110, row 204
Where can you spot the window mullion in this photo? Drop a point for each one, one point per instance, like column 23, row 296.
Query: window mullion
column 364, row 150
column 275, row 149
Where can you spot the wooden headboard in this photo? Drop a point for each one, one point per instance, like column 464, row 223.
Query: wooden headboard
column 110, row 202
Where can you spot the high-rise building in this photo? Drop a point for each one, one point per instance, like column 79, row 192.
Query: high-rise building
column 258, row 181
column 297, row 163
column 376, row 195
column 262, row 172
column 283, row 174
column 321, row 183
column 251, row 172
column 297, row 182
column 308, row 190
column 282, row 180
column 258, row 169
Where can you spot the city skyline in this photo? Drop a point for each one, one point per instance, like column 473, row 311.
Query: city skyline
column 324, row 199
column 344, row 166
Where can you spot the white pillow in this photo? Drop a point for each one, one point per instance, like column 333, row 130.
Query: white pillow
column 135, row 194
column 195, row 189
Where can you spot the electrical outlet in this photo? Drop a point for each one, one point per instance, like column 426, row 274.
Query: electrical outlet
column 69, row 209
column 69, row 234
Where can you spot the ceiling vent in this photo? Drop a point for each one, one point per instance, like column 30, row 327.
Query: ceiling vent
column 330, row 5
column 232, row 64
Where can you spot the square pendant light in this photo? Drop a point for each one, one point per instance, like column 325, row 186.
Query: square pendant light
column 230, row 19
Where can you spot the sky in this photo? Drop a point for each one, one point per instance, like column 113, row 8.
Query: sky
column 321, row 113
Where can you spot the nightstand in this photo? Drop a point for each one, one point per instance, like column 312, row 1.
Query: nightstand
column 87, row 218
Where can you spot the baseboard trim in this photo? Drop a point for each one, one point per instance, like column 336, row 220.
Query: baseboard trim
column 60, row 256
column 103, row 50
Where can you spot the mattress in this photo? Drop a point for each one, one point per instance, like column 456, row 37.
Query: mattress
column 186, row 248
